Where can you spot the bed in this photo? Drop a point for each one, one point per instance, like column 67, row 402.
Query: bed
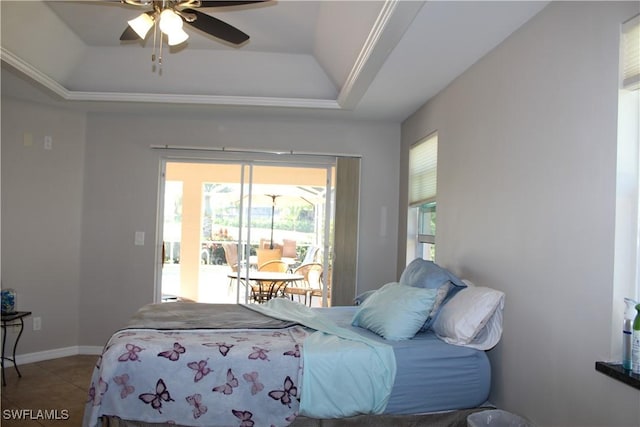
column 283, row 363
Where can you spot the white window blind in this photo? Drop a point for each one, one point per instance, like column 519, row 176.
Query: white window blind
column 631, row 54
column 423, row 171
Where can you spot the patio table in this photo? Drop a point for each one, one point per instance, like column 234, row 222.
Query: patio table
column 270, row 283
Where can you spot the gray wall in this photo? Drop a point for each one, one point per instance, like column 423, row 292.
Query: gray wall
column 42, row 218
column 542, row 104
column 69, row 215
column 526, row 204
column 120, row 197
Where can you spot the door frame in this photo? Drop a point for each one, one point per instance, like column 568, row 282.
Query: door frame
column 248, row 160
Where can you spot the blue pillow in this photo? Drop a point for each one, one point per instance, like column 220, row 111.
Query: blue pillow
column 395, row 312
column 363, row 296
column 421, row 273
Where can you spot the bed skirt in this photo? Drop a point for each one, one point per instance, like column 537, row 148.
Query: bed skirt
column 441, row 419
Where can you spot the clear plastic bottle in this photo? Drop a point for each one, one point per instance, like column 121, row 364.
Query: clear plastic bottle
column 635, row 350
column 627, row 332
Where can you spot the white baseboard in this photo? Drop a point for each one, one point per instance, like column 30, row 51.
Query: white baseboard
column 93, row 350
column 55, row 353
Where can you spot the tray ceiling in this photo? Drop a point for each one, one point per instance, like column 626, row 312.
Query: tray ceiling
column 368, row 59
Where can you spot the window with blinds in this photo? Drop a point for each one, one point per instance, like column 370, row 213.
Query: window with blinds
column 629, row 119
column 631, row 54
column 423, row 171
column 628, row 163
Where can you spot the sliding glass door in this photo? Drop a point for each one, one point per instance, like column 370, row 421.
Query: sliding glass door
column 216, row 215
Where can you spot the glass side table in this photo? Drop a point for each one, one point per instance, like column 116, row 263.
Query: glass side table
column 9, row 319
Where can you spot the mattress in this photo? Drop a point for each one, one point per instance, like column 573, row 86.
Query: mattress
column 431, row 374
column 158, row 354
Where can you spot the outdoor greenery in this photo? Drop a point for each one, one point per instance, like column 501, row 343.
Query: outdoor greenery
column 286, row 219
column 221, row 220
column 285, row 224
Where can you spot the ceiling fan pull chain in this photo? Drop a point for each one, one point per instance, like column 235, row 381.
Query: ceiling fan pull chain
column 165, row 5
column 160, row 55
column 155, row 32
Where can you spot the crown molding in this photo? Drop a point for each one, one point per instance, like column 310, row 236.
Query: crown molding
column 394, row 18
column 32, row 72
column 390, row 25
column 247, row 101
column 161, row 98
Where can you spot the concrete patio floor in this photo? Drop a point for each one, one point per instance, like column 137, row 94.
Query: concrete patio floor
column 213, row 284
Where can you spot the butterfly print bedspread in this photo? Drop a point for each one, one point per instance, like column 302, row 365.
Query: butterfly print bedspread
column 199, row 377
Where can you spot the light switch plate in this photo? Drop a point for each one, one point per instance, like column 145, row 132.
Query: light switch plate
column 139, row 238
column 27, row 139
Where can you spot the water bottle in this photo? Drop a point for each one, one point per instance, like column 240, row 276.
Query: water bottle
column 635, row 350
column 627, row 332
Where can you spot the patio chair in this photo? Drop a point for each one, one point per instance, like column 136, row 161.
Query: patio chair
column 264, row 255
column 231, row 255
column 289, row 248
column 311, row 272
column 311, row 255
column 317, row 285
column 274, row 265
column 266, row 244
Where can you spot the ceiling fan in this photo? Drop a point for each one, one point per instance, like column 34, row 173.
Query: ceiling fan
column 169, row 15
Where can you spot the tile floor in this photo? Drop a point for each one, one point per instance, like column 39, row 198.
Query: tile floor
column 61, row 385
column 58, row 386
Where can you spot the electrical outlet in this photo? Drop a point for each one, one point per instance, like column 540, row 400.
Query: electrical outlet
column 48, row 142
column 37, row 323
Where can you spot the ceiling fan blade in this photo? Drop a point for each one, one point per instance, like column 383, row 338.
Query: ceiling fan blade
column 217, row 28
column 228, row 3
column 128, row 34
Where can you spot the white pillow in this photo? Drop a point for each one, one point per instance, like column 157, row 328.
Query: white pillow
column 395, row 312
column 472, row 318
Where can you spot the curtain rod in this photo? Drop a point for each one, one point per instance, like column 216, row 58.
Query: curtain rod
column 252, row 150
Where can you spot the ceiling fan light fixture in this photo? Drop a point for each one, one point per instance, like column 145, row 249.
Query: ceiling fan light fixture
column 141, row 25
column 177, row 36
column 171, row 25
column 167, row 17
column 138, row 2
column 170, row 21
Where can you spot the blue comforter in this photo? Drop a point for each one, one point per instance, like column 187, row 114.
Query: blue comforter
column 344, row 373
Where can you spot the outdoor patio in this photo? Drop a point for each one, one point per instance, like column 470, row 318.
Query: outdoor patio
column 213, row 286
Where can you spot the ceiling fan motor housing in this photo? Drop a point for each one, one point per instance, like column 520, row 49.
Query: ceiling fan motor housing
column 170, row 14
